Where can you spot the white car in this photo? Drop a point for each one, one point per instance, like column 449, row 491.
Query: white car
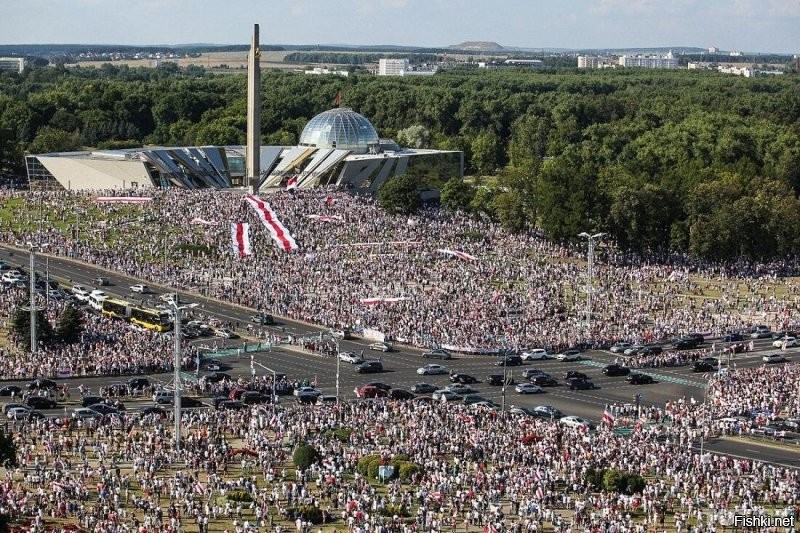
column 791, row 342
column 537, row 354
column 774, row 358
column 446, row 395
column 380, row 346
column 82, row 413
column 620, row 347
column 171, row 297
column 98, row 294
column 458, row 388
column 528, row 388
column 11, row 277
column 140, row 288
column 575, row 422
column 307, row 391
column 569, row 355
column 430, row 370
column 18, row 413
column 350, row 357
column 633, row 349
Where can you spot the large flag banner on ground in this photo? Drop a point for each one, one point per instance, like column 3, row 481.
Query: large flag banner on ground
column 455, row 253
column 276, row 229
column 123, row 199
column 240, row 235
column 326, row 218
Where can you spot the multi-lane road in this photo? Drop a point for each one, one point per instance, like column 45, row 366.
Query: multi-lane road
column 401, row 364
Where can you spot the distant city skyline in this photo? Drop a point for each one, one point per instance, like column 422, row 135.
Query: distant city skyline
column 743, row 25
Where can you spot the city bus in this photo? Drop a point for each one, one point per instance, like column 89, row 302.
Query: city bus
column 116, row 308
column 151, row 318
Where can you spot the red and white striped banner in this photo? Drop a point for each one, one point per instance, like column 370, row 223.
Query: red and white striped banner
column 326, row 218
column 277, row 230
column 198, row 220
column 123, row 199
column 608, row 418
column 456, row 253
column 240, row 238
column 291, row 184
column 370, row 244
column 374, row 301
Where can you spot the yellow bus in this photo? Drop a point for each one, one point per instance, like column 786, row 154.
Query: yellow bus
column 116, row 308
column 151, row 318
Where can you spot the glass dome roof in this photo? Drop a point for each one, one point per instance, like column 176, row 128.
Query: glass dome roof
column 340, row 128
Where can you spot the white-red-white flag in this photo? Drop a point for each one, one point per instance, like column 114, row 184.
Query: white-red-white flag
column 291, row 184
column 198, row 220
column 608, row 418
column 240, row 237
column 276, row 229
column 456, row 253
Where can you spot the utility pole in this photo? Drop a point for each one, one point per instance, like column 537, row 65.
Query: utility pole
column 32, row 287
column 589, row 275
column 177, row 370
column 274, row 376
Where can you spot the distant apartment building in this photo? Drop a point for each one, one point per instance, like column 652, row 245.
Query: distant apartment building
column 713, row 50
column 596, row 62
column 392, row 67
column 649, row 61
column 12, row 63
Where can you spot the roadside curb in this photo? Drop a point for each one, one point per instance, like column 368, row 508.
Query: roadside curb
column 759, row 442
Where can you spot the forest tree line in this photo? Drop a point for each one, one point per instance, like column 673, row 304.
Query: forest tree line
column 686, row 161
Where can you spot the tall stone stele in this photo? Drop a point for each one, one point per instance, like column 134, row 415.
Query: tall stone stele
column 253, row 163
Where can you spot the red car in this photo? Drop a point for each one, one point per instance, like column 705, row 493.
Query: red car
column 369, row 391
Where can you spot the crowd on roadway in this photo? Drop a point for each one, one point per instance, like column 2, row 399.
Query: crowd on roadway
column 474, row 469
column 521, row 291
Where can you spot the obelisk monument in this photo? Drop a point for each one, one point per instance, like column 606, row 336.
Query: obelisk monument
column 253, row 163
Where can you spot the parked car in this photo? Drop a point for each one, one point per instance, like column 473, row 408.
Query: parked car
column 546, row 411
column 350, row 357
column 42, row 384
column 497, row 380
column 447, row 396
column 620, row 347
column 761, row 332
column 86, row 401
column 400, row 394
column 103, row 409
column 262, row 319
column 774, row 358
column 532, row 372
column 575, row 422
column 633, row 350
column 380, row 347
column 188, row 401
column 703, row 366
column 464, row 379
column 458, row 388
column 685, row 343
column 381, row 385
column 579, row 384
column 138, row 383
column 423, row 388
column 639, row 379
column 231, row 405
column 216, row 377
column 544, row 381
column 528, row 388
column 575, row 374
column 370, row 367
column 650, row 350
column 11, row 390
column 732, row 337
column 437, row 354
column 140, row 288
column 225, row 333
column 537, row 354
column 616, row 370
column 368, row 391
column 83, row 413
column 569, row 355
column 787, row 342
column 430, row 370
column 307, row 391
column 40, row 402
column 471, row 399
column 343, row 333
column 101, row 281
column 509, row 360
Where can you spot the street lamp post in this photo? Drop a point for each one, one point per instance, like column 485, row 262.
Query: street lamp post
column 177, row 370
column 32, row 287
column 338, row 367
column 274, row 376
column 589, row 274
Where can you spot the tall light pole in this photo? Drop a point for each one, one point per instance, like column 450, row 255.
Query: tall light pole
column 274, row 376
column 589, row 274
column 177, row 363
column 338, row 366
column 32, row 287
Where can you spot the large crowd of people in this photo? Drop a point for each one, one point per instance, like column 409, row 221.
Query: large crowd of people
column 521, row 291
column 475, row 468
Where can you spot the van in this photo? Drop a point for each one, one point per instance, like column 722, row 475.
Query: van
column 82, row 295
column 96, row 301
column 163, row 396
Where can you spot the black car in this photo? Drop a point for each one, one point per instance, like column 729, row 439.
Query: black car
column 781, row 334
column 11, row 390
column 219, row 400
column 464, row 379
column 698, row 337
column 579, row 384
column 510, row 360
column 650, row 350
column 86, row 401
column 104, row 409
column 379, row 385
column 101, row 281
column 231, row 405
column 263, row 319
column 544, row 381
column 616, row 370
column 252, row 397
column 154, row 410
column 733, row 337
column 138, row 383
column 370, row 367
column 639, row 379
column 532, row 373
column 38, row 384
column 424, row 388
column 216, row 377
column 40, row 402
column 188, row 401
column 400, row 394
column 575, row 374
column 685, row 344
column 703, row 366
column 497, row 380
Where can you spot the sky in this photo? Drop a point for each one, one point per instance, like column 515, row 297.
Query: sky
column 743, row 25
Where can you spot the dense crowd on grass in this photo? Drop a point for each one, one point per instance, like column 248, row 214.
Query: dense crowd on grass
column 238, row 470
column 520, row 291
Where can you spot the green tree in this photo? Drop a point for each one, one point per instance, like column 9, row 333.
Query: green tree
column 416, row 136
column 457, row 195
column 70, row 325
column 54, row 140
column 486, row 153
column 21, row 326
column 509, row 208
column 304, row 456
column 399, row 195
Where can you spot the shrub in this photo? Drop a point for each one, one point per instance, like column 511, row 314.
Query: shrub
column 308, row 512
column 343, row 434
column 399, row 458
column 398, row 510
column 304, row 456
column 408, row 470
column 362, row 467
column 594, row 478
column 239, row 496
column 628, row 483
column 372, row 468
